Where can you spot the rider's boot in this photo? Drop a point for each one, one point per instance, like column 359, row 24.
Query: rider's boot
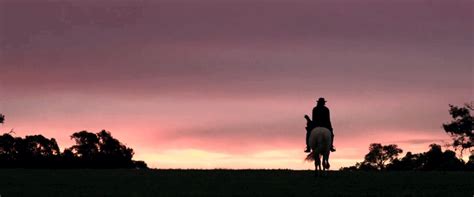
column 308, row 149
column 333, row 149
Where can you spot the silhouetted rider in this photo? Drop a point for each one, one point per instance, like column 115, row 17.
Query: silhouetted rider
column 321, row 118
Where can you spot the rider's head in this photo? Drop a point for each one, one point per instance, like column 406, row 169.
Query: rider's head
column 321, row 101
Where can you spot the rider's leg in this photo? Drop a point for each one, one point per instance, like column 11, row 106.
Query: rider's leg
column 332, row 141
column 308, row 132
column 307, row 137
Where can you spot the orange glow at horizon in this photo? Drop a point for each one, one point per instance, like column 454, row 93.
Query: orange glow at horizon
column 172, row 134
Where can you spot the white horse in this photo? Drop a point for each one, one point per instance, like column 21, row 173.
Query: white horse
column 320, row 143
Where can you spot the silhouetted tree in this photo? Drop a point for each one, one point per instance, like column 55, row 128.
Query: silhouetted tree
column 433, row 159
column 39, row 146
column 91, row 150
column 461, row 127
column 470, row 163
column 111, row 148
column 377, row 158
column 436, row 159
column 350, row 168
column 409, row 162
column 378, row 155
column 87, row 145
column 140, row 165
column 38, row 151
column 451, row 162
column 35, row 150
column 69, row 160
column 366, row 166
column 112, row 152
column 101, row 150
column 8, row 151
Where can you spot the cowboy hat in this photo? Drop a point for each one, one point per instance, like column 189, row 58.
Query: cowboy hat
column 321, row 100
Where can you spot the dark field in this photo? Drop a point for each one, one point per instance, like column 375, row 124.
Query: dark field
column 25, row 182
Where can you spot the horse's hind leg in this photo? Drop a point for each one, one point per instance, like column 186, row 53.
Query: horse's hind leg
column 326, row 162
column 317, row 165
column 315, row 168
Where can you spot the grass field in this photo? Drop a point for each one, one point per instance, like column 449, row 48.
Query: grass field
column 26, row 182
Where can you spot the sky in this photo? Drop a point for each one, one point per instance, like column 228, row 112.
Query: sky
column 225, row 84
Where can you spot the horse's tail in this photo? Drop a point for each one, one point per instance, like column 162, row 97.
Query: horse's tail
column 310, row 157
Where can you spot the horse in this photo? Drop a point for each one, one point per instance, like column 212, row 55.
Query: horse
column 320, row 143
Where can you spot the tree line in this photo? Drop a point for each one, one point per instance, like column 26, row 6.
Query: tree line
column 385, row 157
column 91, row 150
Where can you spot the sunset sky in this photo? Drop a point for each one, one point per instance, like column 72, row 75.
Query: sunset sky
column 226, row 83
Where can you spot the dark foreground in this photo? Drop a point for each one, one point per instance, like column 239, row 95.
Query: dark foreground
column 25, row 182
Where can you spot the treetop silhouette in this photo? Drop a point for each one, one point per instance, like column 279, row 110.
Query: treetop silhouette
column 461, row 127
column 91, row 150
